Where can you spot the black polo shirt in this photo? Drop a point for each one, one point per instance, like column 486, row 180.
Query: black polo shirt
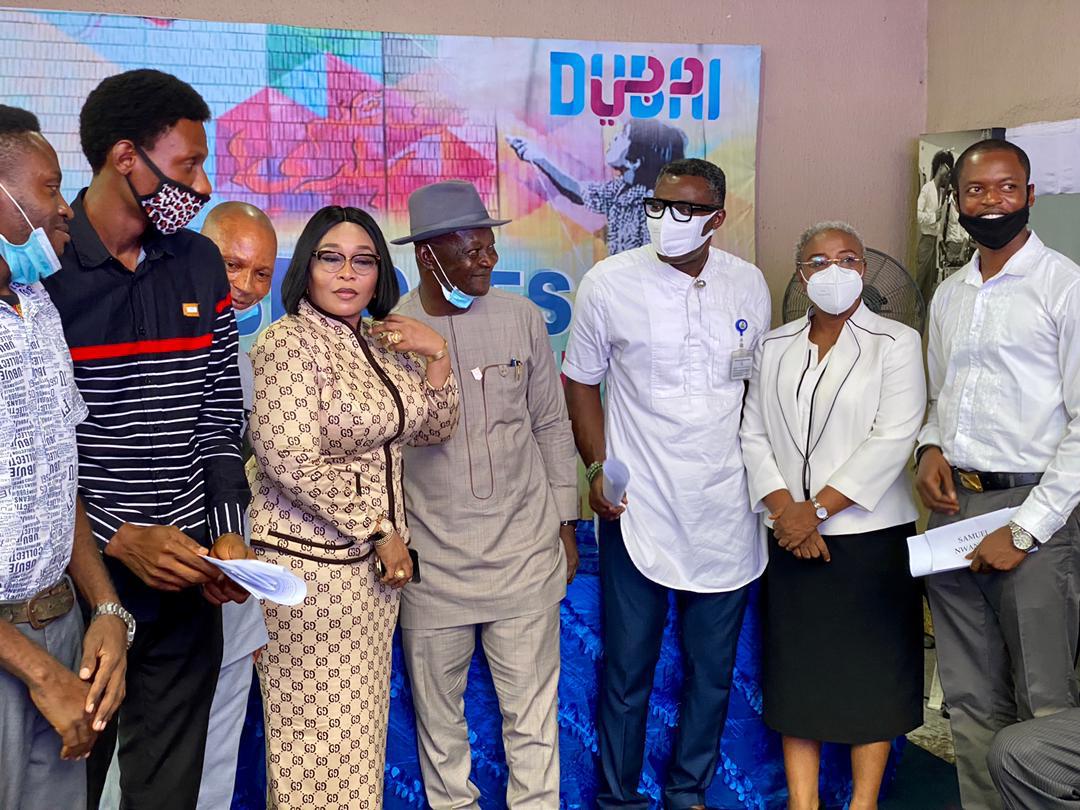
column 154, row 352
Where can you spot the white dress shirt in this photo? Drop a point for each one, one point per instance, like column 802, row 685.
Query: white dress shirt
column 1004, row 362
column 662, row 343
column 927, row 209
column 243, row 628
column 848, row 421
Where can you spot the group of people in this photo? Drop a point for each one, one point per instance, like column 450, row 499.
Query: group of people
column 415, row 461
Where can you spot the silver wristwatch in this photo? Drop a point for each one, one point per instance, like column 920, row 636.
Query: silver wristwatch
column 1021, row 537
column 116, row 609
column 819, row 510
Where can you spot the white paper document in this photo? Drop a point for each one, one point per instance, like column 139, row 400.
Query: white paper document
column 616, row 479
column 264, row 580
column 944, row 548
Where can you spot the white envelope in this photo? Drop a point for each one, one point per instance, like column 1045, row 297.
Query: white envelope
column 946, row 547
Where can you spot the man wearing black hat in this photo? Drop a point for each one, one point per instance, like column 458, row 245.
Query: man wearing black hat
column 492, row 512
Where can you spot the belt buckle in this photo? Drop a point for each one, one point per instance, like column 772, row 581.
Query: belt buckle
column 970, row 480
column 31, row 616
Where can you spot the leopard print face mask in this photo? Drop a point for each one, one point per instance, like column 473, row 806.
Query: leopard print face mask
column 172, row 205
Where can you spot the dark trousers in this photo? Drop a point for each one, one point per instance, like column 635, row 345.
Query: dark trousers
column 634, row 611
column 172, row 670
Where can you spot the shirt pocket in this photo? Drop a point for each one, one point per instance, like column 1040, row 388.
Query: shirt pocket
column 505, row 391
column 669, row 367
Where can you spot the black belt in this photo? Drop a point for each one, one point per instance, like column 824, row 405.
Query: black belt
column 985, row 482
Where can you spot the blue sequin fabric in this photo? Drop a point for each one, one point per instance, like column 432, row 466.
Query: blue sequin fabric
column 749, row 774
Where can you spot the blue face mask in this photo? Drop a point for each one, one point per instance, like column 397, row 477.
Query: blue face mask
column 244, row 315
column 452, row 294
column 33, row 260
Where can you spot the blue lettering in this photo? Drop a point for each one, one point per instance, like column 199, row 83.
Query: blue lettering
column 560, row 60
column 544, row 290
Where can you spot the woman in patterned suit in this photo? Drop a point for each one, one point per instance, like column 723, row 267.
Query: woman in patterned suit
column 336, row 397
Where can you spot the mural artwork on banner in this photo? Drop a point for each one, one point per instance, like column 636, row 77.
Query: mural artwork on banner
column 562, row 137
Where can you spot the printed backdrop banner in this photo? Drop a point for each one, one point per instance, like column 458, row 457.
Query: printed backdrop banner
column 562, row 137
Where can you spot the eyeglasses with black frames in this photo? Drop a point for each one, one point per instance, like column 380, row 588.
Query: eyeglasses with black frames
column 681, row 211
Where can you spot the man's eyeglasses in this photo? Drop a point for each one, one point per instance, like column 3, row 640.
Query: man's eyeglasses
column 821, row 262
column 330, row 261
column 680, row 211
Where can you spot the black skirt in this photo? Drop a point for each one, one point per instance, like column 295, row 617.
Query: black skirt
column 842, row 653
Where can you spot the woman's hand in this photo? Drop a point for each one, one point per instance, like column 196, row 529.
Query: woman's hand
column 813, row 548
column 396, row 562
column 794, row 523
column 401, row 334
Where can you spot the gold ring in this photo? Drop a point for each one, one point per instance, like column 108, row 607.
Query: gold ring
column 394, row 337
column 400, row 573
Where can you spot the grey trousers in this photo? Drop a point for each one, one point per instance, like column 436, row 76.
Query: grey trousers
column 523, row 654
column 1037, row 763
column 1006, row 642
column 32, row 775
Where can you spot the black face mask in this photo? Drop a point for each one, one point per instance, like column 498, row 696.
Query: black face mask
column 998, row 232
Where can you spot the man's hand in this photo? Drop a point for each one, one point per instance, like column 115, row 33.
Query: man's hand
column 934, row 483
column 813, row 548
column 996, row 552
column 222, row 589
column 163, row 557
column 61, row 698
column 104, row 666
column 604, row 508
column 794, row 523
column 569, row 540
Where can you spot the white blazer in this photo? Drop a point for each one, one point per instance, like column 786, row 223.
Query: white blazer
column 867, row 409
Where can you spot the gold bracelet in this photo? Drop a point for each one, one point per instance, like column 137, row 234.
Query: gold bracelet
column 439, row 355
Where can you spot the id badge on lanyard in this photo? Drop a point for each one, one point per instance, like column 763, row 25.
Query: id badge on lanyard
column 742, row 359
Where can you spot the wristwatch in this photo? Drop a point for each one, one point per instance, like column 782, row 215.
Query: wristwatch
column 568, row 523
column 819, row 510
column 1021, row 537
column 384, row 530
column 116, row 609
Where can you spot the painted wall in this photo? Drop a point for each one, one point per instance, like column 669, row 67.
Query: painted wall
column 843, row 95
column 1001, row 63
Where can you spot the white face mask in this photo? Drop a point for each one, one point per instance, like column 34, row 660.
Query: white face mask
column 834, row 289
column 673, row 239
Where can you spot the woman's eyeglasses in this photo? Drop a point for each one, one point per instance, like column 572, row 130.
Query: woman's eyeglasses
column 821, row 262
column 330, row 261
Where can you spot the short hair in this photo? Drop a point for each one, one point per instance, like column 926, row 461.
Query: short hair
column 137, row 106
column 16, row 125
column 991, row 145
column 655, row 144
column 942, row 158
column 295, row 285
column 695, row 167
column 824, row 227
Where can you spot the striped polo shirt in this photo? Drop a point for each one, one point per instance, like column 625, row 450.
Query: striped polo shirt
column 154, row 355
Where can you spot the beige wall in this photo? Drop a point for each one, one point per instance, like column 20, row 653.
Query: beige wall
column 1002, row 63
column 843, row 86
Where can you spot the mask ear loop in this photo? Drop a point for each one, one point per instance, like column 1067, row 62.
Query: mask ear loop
column 16, row 203
column 449, row 284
